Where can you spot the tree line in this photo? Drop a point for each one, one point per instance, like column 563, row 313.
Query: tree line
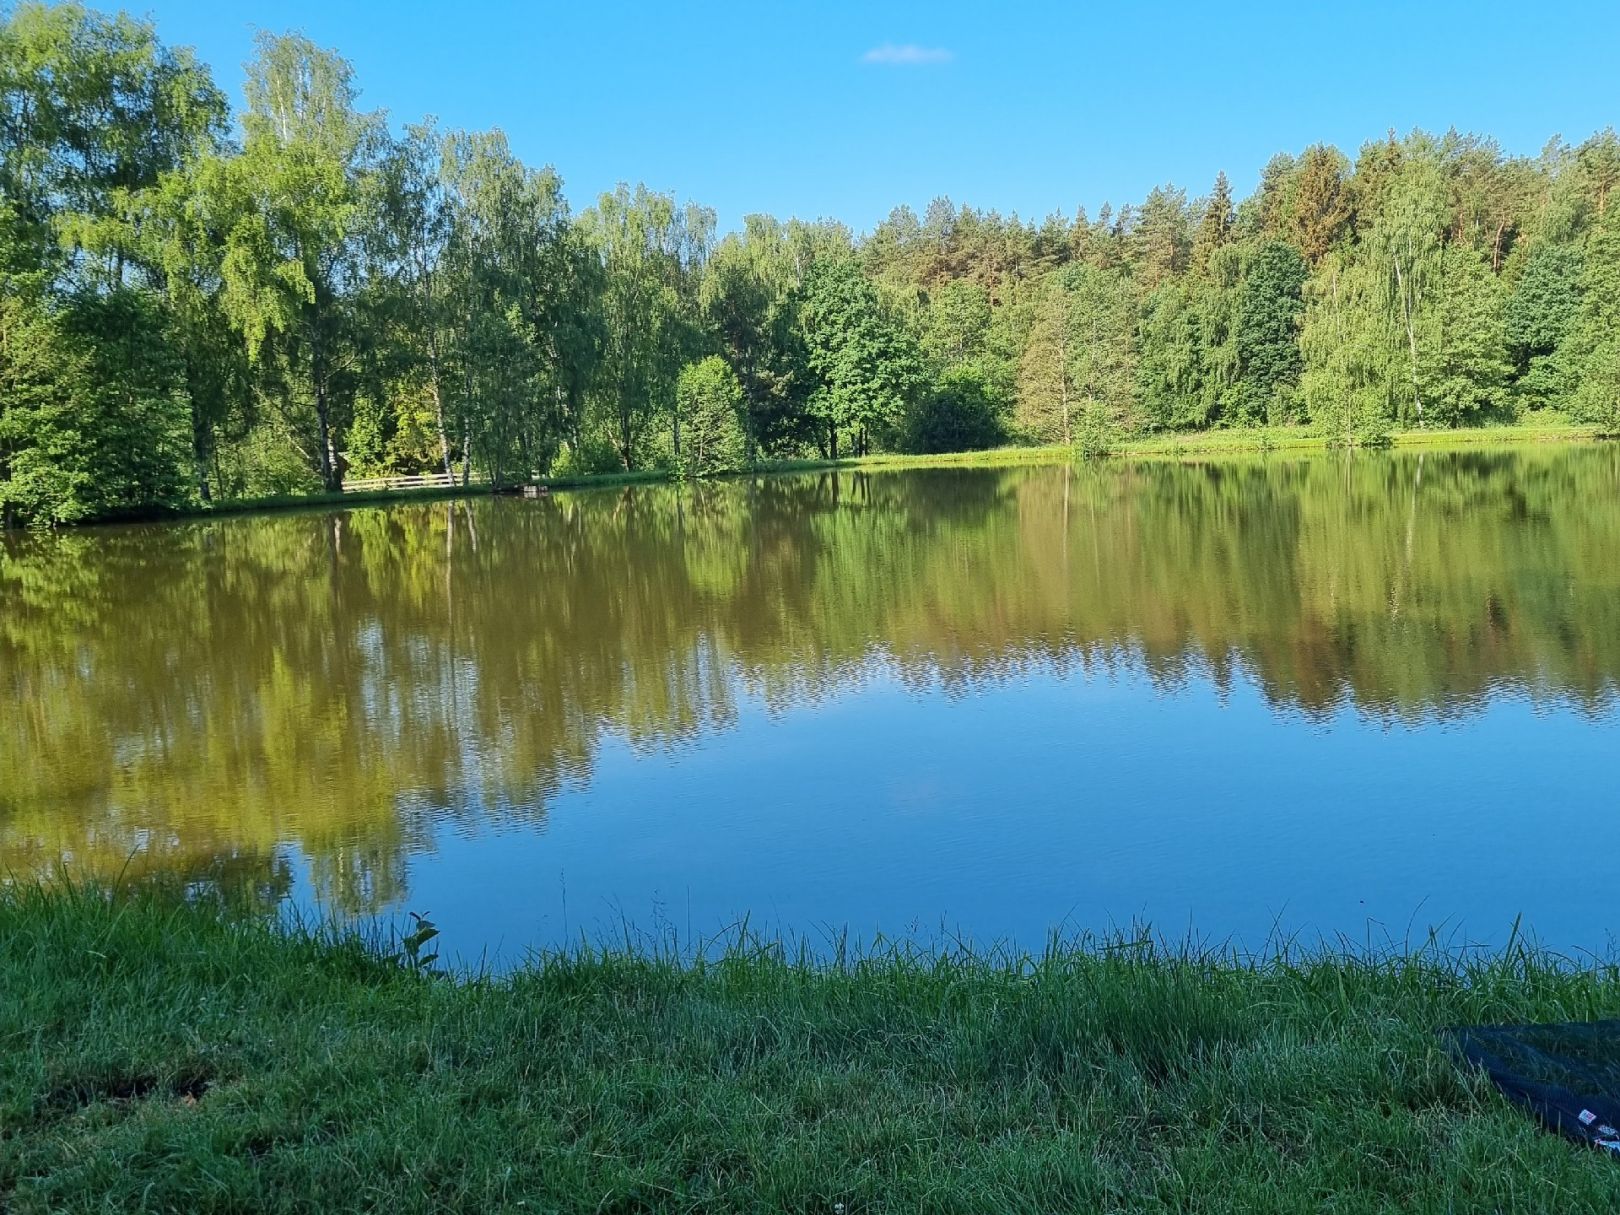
column 196, row 305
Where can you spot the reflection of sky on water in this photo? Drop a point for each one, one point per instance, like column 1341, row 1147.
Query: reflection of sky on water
column 1058, row 801
column 1314, row 694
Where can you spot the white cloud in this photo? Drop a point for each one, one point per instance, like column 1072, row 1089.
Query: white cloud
column 907, row 55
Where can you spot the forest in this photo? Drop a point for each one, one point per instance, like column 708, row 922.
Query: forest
column 200, row 305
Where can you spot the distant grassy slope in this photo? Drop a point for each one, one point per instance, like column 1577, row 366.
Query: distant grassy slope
column 159, row 1057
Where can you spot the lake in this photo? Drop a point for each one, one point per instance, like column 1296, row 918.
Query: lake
column 1356, row 696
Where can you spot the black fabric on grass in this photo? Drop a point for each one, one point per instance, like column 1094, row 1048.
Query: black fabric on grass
column 1567, row 1075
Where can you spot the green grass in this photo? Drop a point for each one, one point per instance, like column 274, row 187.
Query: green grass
column 995, row 457
column 162, row 1056
column 601, row 480
column 1181, row 444
column 1299, row 438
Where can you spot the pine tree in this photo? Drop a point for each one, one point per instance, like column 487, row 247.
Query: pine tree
column 1269, row 307
column 1319, row 209
column 1159, row 239
column 1215, row 226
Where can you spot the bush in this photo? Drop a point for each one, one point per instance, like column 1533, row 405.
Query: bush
column 594, row 455
column 961, row 413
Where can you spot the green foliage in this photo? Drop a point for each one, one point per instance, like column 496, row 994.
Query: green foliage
column 1351, row 353
column 1405, row 255
column 1592, row 351
column 1543, row 303
column 93, row 421
column 504, row 262
column 411, row 944
column 1269, row 308
column 95, row 111
column 1169, row 369
column 1102, row 358
column 749, row 300
column 368, row 444
column 956, row 328
column 261, row 464
column 1465, row 369
column 97, row 371
column 1214, row 226
column 1160, row 236
column 1318, row 208
column 1081, row 356
column 593, row 454
column 961, row 412
column 867, row 370
column 1097, row 432
column 1537, row 320
column 331, row 294
column 709, row 407
column 649, row 249
column 293, row 206
column 1597, row 400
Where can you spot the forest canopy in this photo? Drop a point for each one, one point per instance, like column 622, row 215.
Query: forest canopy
column 197, row 304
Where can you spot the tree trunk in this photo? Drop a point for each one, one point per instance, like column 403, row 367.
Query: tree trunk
column 325, row 450
column 626, row 456
column 466, row 423
column 1063, row 374
column 1407, row 308
column 8, row 509
column 438, row 403
column 200, row 448
column 325, row 453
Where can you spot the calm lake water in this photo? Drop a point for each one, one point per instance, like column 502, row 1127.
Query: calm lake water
column 1360, row 696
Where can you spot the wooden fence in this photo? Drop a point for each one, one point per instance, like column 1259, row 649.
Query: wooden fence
column 420, row 481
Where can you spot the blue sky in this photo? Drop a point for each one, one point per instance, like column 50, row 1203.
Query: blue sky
column 847, row 109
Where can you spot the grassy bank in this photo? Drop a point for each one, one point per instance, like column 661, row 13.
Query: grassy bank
column 1301, row 439
column 245, row 506
column 159, row 1057
column 1198, row 444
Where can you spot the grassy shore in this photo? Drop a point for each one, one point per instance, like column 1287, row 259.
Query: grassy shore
column 1198, row 444
column 161, row 1056
column 1302, row 439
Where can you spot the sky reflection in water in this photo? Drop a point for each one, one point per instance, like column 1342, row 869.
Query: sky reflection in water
column 1360, row 696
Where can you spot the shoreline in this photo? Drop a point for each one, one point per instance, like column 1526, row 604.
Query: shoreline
column 168, row 1055
column 1190, row 445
